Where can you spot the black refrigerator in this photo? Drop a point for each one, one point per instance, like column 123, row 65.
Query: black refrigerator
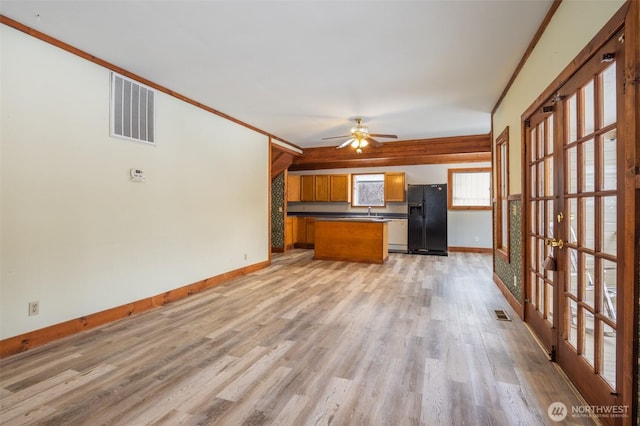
column 427, row 205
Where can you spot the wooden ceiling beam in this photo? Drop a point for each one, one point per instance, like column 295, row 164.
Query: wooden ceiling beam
column 281, row 159
column 457, row 149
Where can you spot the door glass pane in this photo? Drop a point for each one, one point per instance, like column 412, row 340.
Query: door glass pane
column 609, row 160
column 504, row 205
column 609, row 95
column 540, row 254
column 609, row 355
column 532, row 222
column 609, row 289
column 588, row 152
column 588, row 224
column 572, row 214
column 548, row 164
column 572, row 319
column 572, row 170
column 539, row 295
column 541, row 140
column 609, row 225
column 572, row 131
column 534, row 181
column 588, row 282
column 550, row 222
column 589, row 343
column 531, row 250
column 572, row 282
column 531, row 289
column 549, row 136
column 541, row 218
column 542, row 179
column 534, row 143
column 549, row 302
column 548, row 251
column 588, row 109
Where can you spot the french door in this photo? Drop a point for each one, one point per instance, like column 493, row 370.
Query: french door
column 574, row 164
column 542, row 205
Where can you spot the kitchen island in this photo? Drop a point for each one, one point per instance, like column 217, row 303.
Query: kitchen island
column 352, row 239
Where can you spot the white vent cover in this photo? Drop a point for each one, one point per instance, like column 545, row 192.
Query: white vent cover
column 132, row 110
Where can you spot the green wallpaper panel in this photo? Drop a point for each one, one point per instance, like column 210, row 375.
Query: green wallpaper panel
column 277, row 216
column 507, row 270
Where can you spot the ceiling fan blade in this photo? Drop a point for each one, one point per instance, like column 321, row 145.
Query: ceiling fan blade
column 345, row 143
column 336, row 137
column 383, row 136
column 373, row 142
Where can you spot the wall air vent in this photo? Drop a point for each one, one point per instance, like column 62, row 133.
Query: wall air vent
column 132, row 110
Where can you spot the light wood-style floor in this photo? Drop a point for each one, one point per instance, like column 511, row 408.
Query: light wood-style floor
column 412, row 341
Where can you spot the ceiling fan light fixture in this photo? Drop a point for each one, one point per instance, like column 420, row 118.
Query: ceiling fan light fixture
column 360, row 137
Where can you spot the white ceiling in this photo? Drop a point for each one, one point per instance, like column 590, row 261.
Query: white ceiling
column 303, row 70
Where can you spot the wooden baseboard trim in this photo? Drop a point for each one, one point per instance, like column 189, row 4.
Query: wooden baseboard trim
column 33, row 339
column 513, row 302
column 471, row 249
column 277, row 249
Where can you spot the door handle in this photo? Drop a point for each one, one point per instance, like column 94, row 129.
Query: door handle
column 552, row 242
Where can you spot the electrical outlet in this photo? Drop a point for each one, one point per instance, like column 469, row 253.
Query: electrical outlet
column 245, row 256
column 34, row 308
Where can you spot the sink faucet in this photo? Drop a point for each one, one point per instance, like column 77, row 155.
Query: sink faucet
column 369, row 214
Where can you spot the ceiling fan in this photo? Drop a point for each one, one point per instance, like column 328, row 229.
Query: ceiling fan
column 360, row 137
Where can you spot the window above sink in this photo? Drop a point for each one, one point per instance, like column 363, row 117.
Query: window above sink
column 367, row 190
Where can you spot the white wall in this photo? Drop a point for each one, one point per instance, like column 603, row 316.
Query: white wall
column 573, row 25
column 465, row 228
column 76, row 234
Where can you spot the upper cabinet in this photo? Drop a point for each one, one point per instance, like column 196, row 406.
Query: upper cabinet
column 394, row 187
column 339, row 188
column 293, row 188
column 318, row 188
column 307, row 188
column 321, row 188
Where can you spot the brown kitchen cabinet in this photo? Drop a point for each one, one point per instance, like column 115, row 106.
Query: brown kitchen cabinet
column 310, row 231
column 303, row 231
column 290, row 232
column 293, row 188
column 394, row 187
column 339, row 188
column 307, row 188
column 321, row 188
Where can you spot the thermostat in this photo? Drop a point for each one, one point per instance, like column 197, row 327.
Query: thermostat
column 137, row 175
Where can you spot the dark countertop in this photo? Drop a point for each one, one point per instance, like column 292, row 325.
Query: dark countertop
column 365, row 219
column 342, row 215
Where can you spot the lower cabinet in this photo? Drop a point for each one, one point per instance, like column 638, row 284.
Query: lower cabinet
column 290, row 232
column 310, row 223
column 303, row 231
column 300, row 232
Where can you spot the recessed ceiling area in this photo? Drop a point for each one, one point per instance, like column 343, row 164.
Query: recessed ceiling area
column 304, row 70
